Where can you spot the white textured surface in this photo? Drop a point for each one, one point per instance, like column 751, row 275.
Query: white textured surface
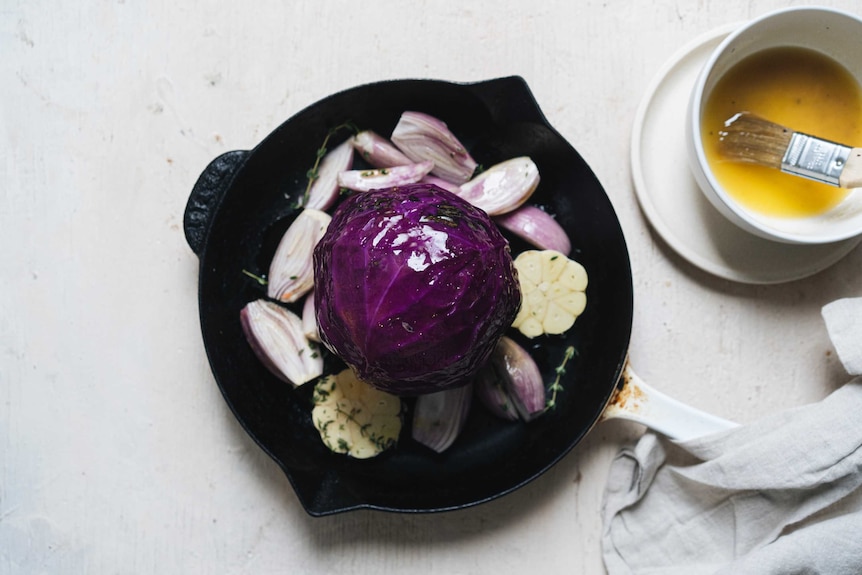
column 117, row 453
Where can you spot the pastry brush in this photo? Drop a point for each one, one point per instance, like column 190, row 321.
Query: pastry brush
column 749, row 138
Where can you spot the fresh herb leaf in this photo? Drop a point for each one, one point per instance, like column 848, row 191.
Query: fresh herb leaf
column 259, row 279
column 314, row 172
column 560, row 371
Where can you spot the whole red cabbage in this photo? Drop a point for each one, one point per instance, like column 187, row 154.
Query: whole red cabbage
column 413, row 288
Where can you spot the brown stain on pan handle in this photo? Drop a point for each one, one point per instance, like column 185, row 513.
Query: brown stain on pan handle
column 627, row 397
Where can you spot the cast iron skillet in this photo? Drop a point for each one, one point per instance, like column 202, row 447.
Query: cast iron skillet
column 243, row 202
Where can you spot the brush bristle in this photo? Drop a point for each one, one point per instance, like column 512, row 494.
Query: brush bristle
column 749, row 138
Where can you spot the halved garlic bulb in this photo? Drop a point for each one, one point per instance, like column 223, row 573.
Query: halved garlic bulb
column 552, row 292
column 355, row 418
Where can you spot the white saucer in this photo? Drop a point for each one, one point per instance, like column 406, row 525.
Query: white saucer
column 675, row 206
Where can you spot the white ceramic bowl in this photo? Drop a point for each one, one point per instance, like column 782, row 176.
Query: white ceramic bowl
column 833, row 33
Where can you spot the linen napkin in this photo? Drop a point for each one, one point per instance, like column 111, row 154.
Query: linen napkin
column 782, row 495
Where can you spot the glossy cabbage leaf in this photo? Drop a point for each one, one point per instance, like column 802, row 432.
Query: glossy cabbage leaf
column 413, row 288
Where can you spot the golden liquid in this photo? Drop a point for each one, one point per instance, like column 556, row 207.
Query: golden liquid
column 797, row 88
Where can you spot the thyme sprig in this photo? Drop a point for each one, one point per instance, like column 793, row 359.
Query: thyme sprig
column 259, row 279
column 556, row 386
column 322, row 390
column 382, row 443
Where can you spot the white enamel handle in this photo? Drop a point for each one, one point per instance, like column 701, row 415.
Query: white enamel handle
column 637, row 401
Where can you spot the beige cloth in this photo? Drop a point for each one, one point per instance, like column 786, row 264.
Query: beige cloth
column 780, row 496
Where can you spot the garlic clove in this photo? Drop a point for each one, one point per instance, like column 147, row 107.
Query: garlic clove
column 423, row 137
column 521, row 378
column 366, row 180
column 439, row 417
column 502, row 187
column 324, row 190
column 309, row 318
column 276, row 337
column 291, row 272
column 378, row 151
column 536, row 227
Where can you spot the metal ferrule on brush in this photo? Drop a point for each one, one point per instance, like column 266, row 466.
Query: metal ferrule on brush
column 813, row 158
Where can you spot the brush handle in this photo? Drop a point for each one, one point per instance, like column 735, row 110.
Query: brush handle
column 851, row 175
column 815, row 158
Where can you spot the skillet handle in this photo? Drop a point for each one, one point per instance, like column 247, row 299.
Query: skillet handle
column 207, row 194
column 509, row 100
column 639, row 402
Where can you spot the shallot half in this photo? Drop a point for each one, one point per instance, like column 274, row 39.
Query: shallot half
column 291, row 272
column 423, row 137
column 380, row 178
column 537, row 227
column 439, row 417
column 512, row 379
column 324, row 189
column 502, row 187
column 377, row 150
column 276, row 337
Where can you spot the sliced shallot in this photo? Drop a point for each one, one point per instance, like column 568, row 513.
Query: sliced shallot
column 423, row 137
column 537, row 227
column 441, row 183
column 275, row 335
column 502, row 187
column 521, row 377
column 510, row 385
column 309, row 318
column 366, row 180
column 378, row 151
column 324, row 190
column 291, row 273
column 491, row 393
column 439, row 417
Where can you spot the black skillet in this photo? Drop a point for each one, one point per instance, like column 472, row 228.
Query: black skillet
column 243, row 202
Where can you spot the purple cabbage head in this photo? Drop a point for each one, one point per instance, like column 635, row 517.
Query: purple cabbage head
column 413, row 288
